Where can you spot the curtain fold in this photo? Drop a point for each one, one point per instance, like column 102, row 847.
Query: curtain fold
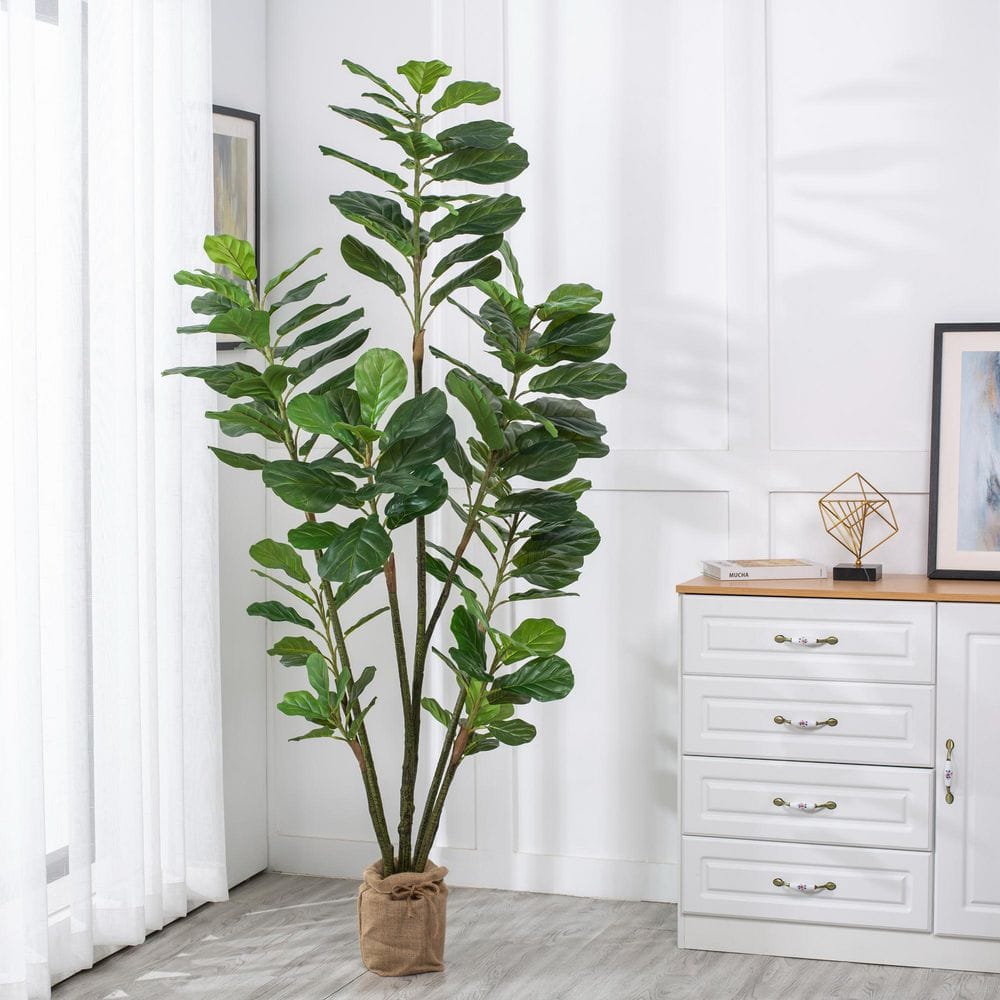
column 110, row 736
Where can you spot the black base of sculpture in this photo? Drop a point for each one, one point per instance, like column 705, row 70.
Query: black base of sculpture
column 865, row 573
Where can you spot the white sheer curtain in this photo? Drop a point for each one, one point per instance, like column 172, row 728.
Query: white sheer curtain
column 110, row 748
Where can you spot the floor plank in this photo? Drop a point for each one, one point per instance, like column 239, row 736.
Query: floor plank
column 291, row 937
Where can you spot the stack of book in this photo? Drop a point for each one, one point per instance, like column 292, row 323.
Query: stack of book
column 763, row 569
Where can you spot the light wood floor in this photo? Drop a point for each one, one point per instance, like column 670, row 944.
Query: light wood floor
column 290, row 937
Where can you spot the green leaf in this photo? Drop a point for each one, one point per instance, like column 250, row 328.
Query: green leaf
column 469, row 653
column 480, row 271
column 547, row 678
column 482, row 166
column 513, row 732
column 388, row 176
column 293, row 650
column 305, row 486
column 540, row 636
column 546, row 505
column 568, row 415
column 336, row 351
column 540, row 594
column 569, row 300
column 515, row 411
column 513, row 308
column 415, row 417
column 474, row 250
column 437, row 711
column 364, row 619
column 313, row 734
column 573, row 487
column 350, row 587
column 363, row 546
column 480, row 744
column 423, row 75
column 580, row 338
column 416, row 145
column 471, row 395
column 303, row 703
column 314, row 534
column 238, row 459
column 480, row 218
column 361, row 258
column 542, row 461
column 279, row 278
column 591, row 380
column 465, row 92
column 248, row 418
column 358, row 70
column 215, row 283
column 475, row 135
column 209, row 304
column 315, row 414
column 250, row 325
column 236, row 254
column 275, row 611
column 406, row 507
column 515, row 272
column 278, row 555
column 380, row 376
column 382, row 217
column 387, row 126
column 412, row 452
column 299, row 293
column 319, row 676
column 321, row 333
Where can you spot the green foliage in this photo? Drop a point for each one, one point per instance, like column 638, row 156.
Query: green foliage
column 375, row 463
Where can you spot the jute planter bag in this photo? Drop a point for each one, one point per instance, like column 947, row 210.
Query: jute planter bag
column 401, row 920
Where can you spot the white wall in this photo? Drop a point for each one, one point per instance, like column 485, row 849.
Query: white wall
column 779, row 199
column 239, row 78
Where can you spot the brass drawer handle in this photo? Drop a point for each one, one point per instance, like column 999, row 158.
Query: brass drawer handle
column 805, row 806
column 949, row 772
column 802, row 640
column 780, row 720
column 803, row 886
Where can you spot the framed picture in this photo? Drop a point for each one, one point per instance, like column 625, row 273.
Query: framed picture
column 964, row 522
column 235, row 160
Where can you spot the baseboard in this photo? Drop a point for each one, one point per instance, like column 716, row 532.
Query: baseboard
column 570, row 876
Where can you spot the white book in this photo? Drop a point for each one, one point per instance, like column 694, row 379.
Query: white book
column 763, row 569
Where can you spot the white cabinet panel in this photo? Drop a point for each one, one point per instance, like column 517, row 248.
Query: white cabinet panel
column 871, row 806
column 875, row 723
column 875, row 640
column 869, row 888
column 967, row 882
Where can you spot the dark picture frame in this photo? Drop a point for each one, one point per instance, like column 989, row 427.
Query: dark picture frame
column 236, row 184
column 963, row 525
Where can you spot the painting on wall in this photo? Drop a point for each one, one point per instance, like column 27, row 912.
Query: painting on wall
column 235, row 159
column 964, row 523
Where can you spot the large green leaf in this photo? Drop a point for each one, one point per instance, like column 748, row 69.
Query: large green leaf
column 387, row 126
column 293, row 650
column 495, row 387
column 423, row 75
column 591, row 380
column 250, row 325
column 238, row 459
column 482, row 166
column 360, row 70
column 336, row 351
column 382, row 217
column 318, row 671
column 210, row 303
column 278, row 555
column 546, row 505
column 576, row 537
column 415, row 451
column 215, row 283
column 362, row 547
column 217, row 377
column 306, row 487
column 303, row 316
column 480, row 218
column 299, row 292
column 416, row 145
column 315, row 414
column 304, row 704
column 279, row 278
column 469, row 651
column 415, row 417
column 314, row 534
column 569, row 300
column 475, row 135
column 379, row 376
column 472, row 396
column 234, row 253
column 388, row 176
column 441, row 714
column 465, row 92
column 473, row 250
column 248, row 418
column 512, row 732
column 513, row 308
column 361, row 258
column 406, row 507
column 483, row 270
column 321, row 333
column 573, row 418
column 542, row 461
column 547, row 678
column 536, row 637
column 275, row 611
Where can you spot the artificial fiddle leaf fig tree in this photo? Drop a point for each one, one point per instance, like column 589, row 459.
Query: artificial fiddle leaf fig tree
column 368, row 446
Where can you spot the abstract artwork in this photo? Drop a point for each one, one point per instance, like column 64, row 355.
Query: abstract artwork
column 964, row 523
column 235, row 158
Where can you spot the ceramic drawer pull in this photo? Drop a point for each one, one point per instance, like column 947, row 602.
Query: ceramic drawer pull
column 780, row 720
column 803, row 886
column 949, row 772
column 802, row 640
column 805, row 806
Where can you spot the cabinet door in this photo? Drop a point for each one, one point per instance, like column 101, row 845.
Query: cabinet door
column 967, row 862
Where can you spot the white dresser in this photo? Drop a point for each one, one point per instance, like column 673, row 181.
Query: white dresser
column 840, row 770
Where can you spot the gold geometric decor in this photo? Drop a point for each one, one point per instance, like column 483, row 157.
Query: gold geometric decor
column 861, row 519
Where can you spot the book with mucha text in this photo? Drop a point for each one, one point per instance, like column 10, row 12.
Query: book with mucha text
column 763, row 569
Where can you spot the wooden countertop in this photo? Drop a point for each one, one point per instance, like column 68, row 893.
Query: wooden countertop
column 897, row 587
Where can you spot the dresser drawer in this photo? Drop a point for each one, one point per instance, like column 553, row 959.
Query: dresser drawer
column 873, row 888
column 875, row 723
column 886, row 641
column 872, row 806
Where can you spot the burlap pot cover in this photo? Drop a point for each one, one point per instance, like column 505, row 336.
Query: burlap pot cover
column 401, row 920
